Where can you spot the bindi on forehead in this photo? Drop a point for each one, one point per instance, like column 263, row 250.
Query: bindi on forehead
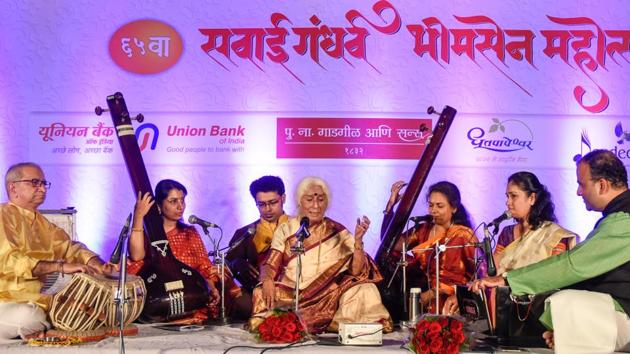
column 315, row 195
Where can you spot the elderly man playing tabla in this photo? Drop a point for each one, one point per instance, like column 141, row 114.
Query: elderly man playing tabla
column 30, row 248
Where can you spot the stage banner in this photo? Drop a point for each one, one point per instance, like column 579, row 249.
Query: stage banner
column 475, row 140
column 207, row 138
column 354, row 138
column 482, row 141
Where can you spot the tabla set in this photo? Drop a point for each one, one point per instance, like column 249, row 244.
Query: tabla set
column 86, row 309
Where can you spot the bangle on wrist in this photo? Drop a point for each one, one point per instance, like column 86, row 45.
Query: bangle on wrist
column 137, row 229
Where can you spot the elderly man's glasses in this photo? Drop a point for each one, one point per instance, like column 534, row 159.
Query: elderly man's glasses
column 36, row 182
column 270, row 203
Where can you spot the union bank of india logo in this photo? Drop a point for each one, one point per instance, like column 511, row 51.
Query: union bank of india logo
column 502, row 136
column 147, row 136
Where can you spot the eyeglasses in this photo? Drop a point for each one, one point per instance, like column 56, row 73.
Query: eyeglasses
column 36, row 182
column 270, row 203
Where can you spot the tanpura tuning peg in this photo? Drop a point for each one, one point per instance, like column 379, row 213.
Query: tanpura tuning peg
column 432, row 110
column 99, row 110
column 139, row 118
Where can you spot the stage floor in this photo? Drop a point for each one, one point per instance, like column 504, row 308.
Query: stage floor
column 214, row 339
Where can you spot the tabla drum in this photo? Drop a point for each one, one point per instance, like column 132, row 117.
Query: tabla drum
column 89, row 302
column 135, row 294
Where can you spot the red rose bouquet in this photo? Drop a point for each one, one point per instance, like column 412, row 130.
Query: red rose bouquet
column 437, row 334
column 281, row 327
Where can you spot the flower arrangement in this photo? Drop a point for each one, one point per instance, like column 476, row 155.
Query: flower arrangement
column 281, row 327
column 437, row 334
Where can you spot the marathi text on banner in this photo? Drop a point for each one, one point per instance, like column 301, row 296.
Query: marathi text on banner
column 352, row 138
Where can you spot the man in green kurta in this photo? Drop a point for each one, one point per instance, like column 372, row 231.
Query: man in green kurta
column 590, row 312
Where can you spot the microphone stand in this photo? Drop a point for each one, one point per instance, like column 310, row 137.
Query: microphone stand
column 492, row 269
column 219, row 260
column 121, row 293
column 402, row 263
column 440, row 248
column 298, row 251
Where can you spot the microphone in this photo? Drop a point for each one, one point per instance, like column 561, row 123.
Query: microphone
column 201, row 222
column 421, row 218
column 251, row 231
column 487, row 250
column 302, row 232
column 115, row 257
column 496, row 222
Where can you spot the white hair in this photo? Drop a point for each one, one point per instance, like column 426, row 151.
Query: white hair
column 14, row 173
column 311, row 181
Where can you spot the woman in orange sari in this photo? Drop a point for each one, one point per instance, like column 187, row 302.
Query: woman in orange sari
column 450, row 227
column 186, row 244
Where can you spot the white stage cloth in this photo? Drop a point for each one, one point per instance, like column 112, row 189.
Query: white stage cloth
column 214, row 339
